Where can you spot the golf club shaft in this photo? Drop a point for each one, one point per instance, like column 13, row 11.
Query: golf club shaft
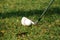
column 45, row 10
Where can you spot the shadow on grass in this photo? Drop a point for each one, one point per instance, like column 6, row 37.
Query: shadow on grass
column 20, row 13
column 29, row 13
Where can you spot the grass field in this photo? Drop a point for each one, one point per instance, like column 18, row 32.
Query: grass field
column 11, row 12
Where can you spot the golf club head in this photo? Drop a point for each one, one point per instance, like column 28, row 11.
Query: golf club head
column 26, row 22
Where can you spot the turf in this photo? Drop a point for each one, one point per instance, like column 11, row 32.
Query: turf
column 11, row 12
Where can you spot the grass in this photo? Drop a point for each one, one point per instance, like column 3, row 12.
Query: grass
column 11, row 12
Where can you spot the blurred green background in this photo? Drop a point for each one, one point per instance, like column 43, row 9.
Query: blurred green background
column 11, row 12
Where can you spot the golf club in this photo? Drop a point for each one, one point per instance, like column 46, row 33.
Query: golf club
column 27, row 22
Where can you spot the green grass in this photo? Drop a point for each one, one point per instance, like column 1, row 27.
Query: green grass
column 11, row 12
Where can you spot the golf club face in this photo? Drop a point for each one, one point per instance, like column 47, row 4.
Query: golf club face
column 26, row 22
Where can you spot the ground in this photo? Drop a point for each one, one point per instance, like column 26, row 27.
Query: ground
column 11, row 12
